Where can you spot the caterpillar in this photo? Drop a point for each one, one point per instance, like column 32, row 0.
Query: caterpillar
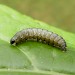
column 41, row 35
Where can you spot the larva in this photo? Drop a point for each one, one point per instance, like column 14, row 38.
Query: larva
column 40, row 35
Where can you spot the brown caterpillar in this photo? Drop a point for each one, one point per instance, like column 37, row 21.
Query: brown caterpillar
column 40, row 35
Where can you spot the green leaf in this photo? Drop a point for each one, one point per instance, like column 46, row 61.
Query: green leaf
column 32, row 58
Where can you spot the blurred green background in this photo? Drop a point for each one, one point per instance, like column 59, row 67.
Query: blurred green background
column 59, row 13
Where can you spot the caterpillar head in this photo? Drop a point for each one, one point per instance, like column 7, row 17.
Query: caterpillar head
column 13, row 41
